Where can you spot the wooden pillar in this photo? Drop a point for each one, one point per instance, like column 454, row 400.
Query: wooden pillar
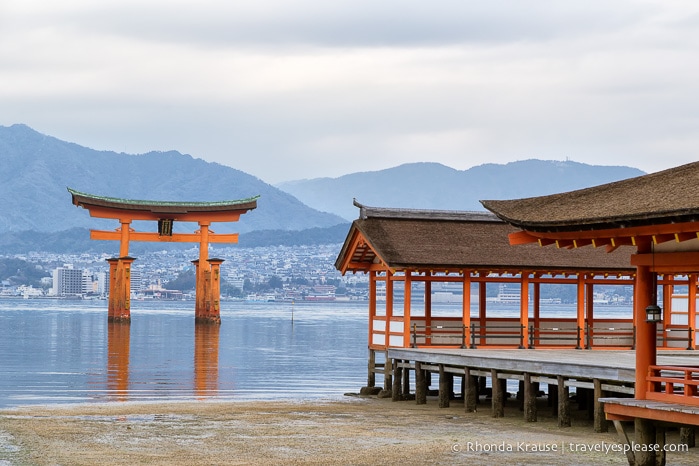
column 407, row 298
column 210, row 312
column 445, row 387
column 420, row 384
column 396, row 389
column 470, row 391
column 371, row 372
column 371, row 369
column 563, row 403
column 580, row 307
column 482, row 311
column 647, row 434
column 537, row 312
column 498, row 398
column 121, row 302
column 589, row 317
column 113, row 262
column 389, row 307
column 428, row 309
column 387, row 373
column 691, row 310
column 524, row 309
column 203, row 271
column 530, row 393
column 125, row 231
column 645, row 331
column 466, row 309
column 687, row 436
column 600, row 419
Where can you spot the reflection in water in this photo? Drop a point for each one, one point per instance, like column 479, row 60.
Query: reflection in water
column 206, row 359
column 118, row 343
column 206, row 343
column 54, row 351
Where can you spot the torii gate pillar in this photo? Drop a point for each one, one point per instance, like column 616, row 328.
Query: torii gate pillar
column 119, row 309
column 207, row 307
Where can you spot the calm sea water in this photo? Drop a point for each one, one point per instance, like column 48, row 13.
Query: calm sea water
column 65, row 352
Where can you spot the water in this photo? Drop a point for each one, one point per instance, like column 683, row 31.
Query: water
column 65, row 352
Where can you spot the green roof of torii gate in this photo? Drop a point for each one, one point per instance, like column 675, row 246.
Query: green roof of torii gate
column 161, row 207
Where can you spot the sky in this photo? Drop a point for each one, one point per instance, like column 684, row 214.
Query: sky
column 295, row 89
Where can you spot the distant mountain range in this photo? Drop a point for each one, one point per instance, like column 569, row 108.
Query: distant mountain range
column 36, row 208
column 435, row 186
column 36, row 169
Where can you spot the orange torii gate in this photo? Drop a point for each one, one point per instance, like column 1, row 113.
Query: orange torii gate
column 207, row 305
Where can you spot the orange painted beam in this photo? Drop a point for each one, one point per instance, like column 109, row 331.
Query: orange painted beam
column 666, row 259
column 624, row 412
column 152, row 236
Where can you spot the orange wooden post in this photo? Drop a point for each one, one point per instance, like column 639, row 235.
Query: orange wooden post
column 112, row 287
column 580, row 322
column 466, row 309
column 692, row 309
column 389, row 306
column 524, row 309
column 428, row 308
column 121, row 311
column 590, row 316
column 210, row 313
column 125, row 236
column 407, row 298
column 645, row 331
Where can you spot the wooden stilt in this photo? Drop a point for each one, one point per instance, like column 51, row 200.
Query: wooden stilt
column 563, row 403
column 687, row 436
column 387, row 374
column 529, row 399
column 396, row 389
column 599, row 418
column 645, row 435
column 371, row 372
column 420, row 384
column 498, row 399
column 444, row 391
column 470, row 391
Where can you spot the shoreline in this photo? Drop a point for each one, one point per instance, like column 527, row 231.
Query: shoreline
column 351, row 430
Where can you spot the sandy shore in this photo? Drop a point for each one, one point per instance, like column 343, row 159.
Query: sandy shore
column 348, row 431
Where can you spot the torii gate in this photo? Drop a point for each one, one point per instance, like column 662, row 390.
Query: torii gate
column 208, row 290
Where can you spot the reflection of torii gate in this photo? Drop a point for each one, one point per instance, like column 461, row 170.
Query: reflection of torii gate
column 207, row 308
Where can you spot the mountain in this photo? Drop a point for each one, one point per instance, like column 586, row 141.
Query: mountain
column 436, row 186
column 36, row 169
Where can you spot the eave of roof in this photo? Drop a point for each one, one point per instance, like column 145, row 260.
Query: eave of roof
column 163, row 207
column 428, row 242
column 657, row 198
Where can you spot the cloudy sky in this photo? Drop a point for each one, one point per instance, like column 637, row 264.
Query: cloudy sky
column 289, row 89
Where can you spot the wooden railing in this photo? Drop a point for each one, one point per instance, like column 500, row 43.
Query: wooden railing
column 673, row 384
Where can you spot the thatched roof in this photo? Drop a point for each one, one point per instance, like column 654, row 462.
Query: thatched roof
column 669, row 196
column 440, row 240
